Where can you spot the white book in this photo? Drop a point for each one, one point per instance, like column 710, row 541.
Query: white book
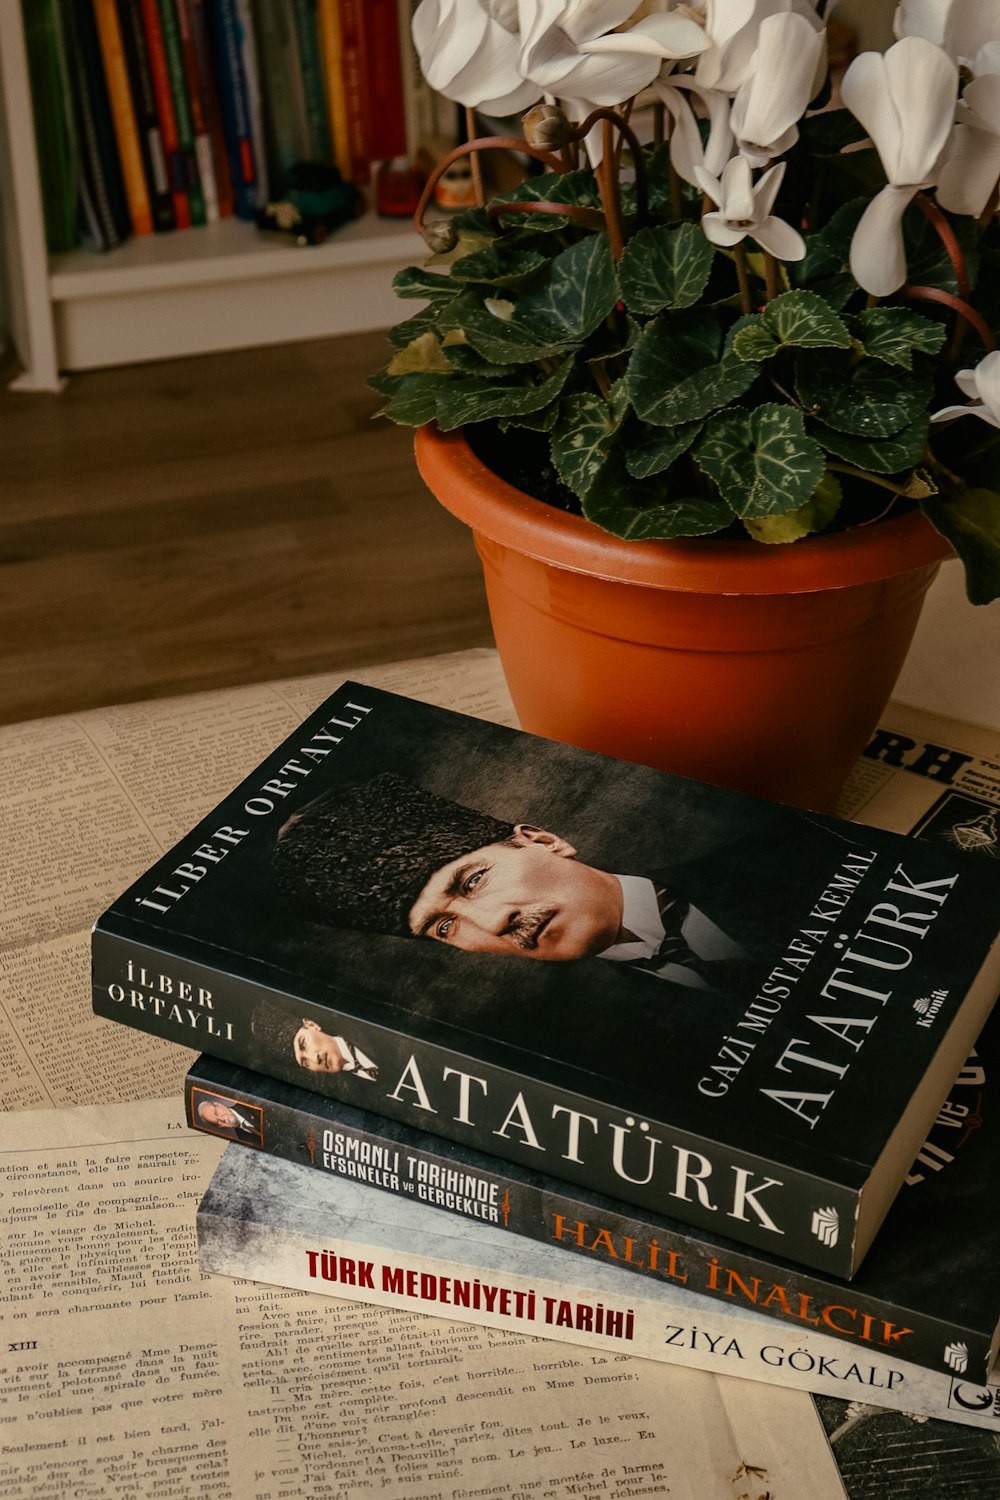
column 266, row 1219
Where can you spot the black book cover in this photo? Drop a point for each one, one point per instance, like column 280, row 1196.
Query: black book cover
column 770, row 1074
column 928, row 1291
column 144, row 102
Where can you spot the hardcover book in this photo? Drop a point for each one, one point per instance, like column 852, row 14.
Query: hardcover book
column 263, row 1219
column 740, row 1014
column 927, row 1292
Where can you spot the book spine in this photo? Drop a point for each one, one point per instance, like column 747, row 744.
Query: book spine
column 209, row 93
column 354, row 70
column 123, row 116
column 176, row 71
column 480, row 1104
column 225, row 33
column 328, row 16
column 311, row 66
column 343, row 1142
column 287, row 128
column 574, row 1314
column 430, row 118
column 140, row 76
column 103, row 212
column 384, row 81
column 199, row 112
column 55, row 131
column 255, row 111
column 163, row 94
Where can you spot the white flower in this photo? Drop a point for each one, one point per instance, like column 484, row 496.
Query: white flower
column 905, row 99
column 982, row 382
column 744, row 208
column 571, row 50
column 687, row 150
column 733, row 28
column 468, row 52
column 972, row 165
column 968, row 30
column 790, row 55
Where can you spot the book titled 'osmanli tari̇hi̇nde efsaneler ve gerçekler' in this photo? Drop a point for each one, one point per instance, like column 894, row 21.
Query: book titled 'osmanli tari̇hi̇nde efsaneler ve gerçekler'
column 738, row 1013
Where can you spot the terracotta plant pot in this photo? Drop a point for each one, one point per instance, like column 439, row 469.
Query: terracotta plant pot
column 761, row 668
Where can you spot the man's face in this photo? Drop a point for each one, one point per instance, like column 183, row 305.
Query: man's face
column 214, row 1112
column 530, row 896
column 316, row 1051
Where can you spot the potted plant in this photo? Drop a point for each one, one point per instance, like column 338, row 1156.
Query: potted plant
column 716, row 385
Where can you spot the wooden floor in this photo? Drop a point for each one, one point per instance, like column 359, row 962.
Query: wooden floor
column 219, row 520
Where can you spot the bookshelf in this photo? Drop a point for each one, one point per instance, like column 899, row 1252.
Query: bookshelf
column 191, row 291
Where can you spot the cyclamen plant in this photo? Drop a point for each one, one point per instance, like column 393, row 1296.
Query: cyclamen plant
column 775, row 317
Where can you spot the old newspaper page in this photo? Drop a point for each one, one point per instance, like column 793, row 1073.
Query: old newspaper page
column 128, row 1372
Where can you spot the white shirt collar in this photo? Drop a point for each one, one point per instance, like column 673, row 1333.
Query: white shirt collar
column 641, row 916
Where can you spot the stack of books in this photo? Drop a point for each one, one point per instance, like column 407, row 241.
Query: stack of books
column 510, row 1032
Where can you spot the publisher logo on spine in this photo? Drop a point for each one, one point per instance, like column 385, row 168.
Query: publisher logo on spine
column 927, row 1006
column 956, row 1356
column 826, row 1226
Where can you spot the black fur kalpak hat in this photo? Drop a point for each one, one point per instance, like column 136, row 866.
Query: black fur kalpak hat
column 360, row 855
column 273, row 1033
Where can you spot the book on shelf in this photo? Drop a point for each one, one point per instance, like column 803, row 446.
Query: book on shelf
column 354, row 72
column 140, row 76
column 287, row 129
column 268, row 1220
column 387, row 135
column 738, row 1013
column 214, row 163
column 103, row 213
column 123, row 116
column 226, row 35
column 180, row 93
column 55, row 132
column 174, row 154
column 927, row 1292
column 199, row 108
column 310, row 81
column 328, row 25
column 255, row 105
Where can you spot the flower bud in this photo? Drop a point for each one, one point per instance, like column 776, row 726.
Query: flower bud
column 440, row 235
column 546, row 128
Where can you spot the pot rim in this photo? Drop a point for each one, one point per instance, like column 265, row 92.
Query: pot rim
column 503, row 514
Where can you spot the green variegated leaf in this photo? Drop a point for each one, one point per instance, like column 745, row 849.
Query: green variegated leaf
column 971, row 523
column 501, row 341
column 891, row 334
column 424, row 355
column 828, row 131
column 863, row 397
column 657, row 449
column 799, row 319
column 467, row 242
column 644, row 510
column 499, row 265
column 677, row 375
column 665, row 266
column 426, row 320
column 581, row 440
column 554, row 316
column 551, row 187
column 817, row 513
column 762, row 461
column 461, row 400
column 533, row 421
column 412, row 398
column 415, row 281
column 576, row 296
column 891, row 455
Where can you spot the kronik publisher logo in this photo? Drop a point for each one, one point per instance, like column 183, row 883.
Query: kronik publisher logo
column 826, row 1226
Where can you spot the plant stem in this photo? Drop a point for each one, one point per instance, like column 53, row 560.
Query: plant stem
column 607, row 179
column 770, row 276
column 477, row 167
column 879, row 479
column 740, row 261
